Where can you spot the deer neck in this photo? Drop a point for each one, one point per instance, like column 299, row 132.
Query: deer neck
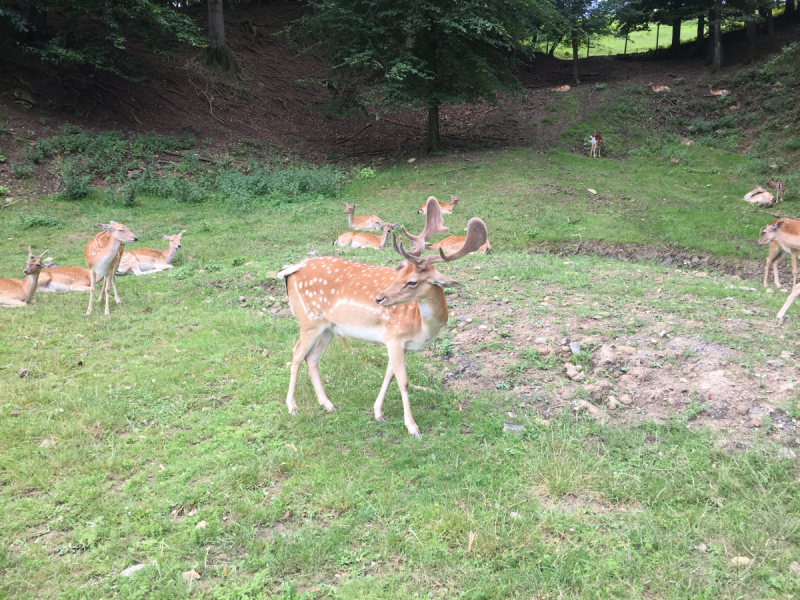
column 29, row 287
column 170, row 253
column 383, row 238
column 787, row 239
column 350, row 220
column 433, row 313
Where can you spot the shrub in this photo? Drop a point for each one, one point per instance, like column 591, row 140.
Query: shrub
column 76, row 185
column 31, row 221
column 792, row 144
column 23, row 169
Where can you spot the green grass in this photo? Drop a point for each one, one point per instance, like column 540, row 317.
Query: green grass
column 175, row 403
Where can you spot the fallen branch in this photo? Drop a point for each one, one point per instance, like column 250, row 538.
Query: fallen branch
column 687, row 189
column 367, row 126
column 11, row 203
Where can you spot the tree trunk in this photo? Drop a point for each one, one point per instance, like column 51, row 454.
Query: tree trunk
column 716, row 63
column 789, row 11
column 626, row 45
column 710, row 55
column 216, row 24
column 588, row 45
column 432, row 141
column 676, row 34
column 575, row 71
column 37, row 16
column 770, row 26
column 658, row 32
column 750, row 26
column 555, row 45
column 701, row 29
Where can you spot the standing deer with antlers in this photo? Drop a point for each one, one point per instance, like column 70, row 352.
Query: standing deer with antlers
column 20, row 293
column 403, row 309
column 103, row 254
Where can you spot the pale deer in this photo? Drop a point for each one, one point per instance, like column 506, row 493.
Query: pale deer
column 103, row 254
column 596, row 140
column 64, row 279
column 446, row 208
column 719, row 92
column 454, row 243
column 14, row 292
column 659, row 88
column 759, row 196
column 779, row 186
column 562, row 88
column 778, row 249
column 780, row 231
column 403, row 309
column 146, row 260
column 365, row 222
column 365, row 240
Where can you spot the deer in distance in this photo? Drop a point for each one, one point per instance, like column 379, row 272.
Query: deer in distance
column 403, row 309
column 759, row 196
column 659, row 88
column 779, row 186
column 145, row 260
column 562, row 88
column 454, row 242
column 780, row 231
column 14, row 292
column 778, row 249
column 596, row 140
column 446, row 208
column 365, row 240
column 102, row 254
column 365, row 222
column 719, row 92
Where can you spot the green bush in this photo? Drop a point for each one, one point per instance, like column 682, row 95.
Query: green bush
column 278, row 187
column 792, row 144
column 31, row 221
column 76, row 185
column 23, row 169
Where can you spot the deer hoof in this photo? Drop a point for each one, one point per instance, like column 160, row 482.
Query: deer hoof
column 331, row 410
column 380, row 419
column 293, row 412
column 417, row 435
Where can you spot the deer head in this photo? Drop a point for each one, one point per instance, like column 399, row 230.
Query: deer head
column 769, row 232
column 174, row 240
column 34, row 264
column 118, row 231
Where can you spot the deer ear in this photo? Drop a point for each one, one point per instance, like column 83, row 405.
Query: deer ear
column 164, row 237
column 103, row 226
column 778, row 225
column 444, row 281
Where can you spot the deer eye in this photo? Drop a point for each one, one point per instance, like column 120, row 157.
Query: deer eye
column 411, row 283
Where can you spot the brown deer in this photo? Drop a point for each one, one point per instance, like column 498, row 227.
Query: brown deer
column 14, row 292
column 103, row 254
column 367, row 222
column 454, row 243
column 64, row 279
column 596, row 141
column 146, row 260
column 562, row 88
column 779, row 186
column 780, row 231
column 719, row 92
column 403, row 309
column 365, row 240
column 777, row 249
column 759, row 196
column 659, row 88
column 446, row 208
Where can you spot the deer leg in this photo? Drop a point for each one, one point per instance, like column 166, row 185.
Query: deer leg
column 104, row 291
column 92, row 285
column 312, row 360
column 113, row 276
column 397, row 358
column 378, row 408
column 301, row 350
column 794, row 269
column 795, row 293
column 772, row 261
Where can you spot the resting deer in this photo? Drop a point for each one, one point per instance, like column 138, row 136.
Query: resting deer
column 64, row 279
column 20, row 293
column 759, row 196
column 780, row 231
column 561, row 88
column 367, row 222
column 596, row 141
column 778, row 249
column 446, row 208
column 365, row 240
column 718, row 92
column 779, row 187
column 103, row 254
column 145, row 260
column 403, row 309
column 659, row 88
column 454, row 243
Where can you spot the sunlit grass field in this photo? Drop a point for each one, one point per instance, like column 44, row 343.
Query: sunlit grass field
column 171, row 411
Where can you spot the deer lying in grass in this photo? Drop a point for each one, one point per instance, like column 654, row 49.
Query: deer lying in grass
column 779, row 186
column 365, row 240
column 719, row 92
column 446, row 208
column 561, row 88
column 145, row 260
column 365, row 222
column 403, row 309
column 64, row 279
column 453, row 243
column 759, row 196
column 659, row 88
column 780, row 231
column 14, row 292
column 596, row 140
column 777, row 249
column 103, row 254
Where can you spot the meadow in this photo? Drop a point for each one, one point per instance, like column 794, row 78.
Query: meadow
column 170, row 445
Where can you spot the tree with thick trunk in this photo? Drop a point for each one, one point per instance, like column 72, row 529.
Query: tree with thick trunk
column 750, row 25
column 575, row 71
column 716, row 61
column 217, row 56
column 676, row 34
column 432, row 141
column 701, row 29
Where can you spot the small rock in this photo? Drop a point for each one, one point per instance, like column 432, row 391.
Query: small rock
column 786, row 387
column 626, row 399
column 511, row 428
column 775, row 364
column 605, row 355
column 131, row 570
column 770, row 291
column 575, row 347
column 201, row 525
column 242, row 299
column 583, row 405
column 544, row 351
column 192, row 512
column 573, row 373
column 411, row 160
column 662, row 333
column 795, row 568
column 701, row 548
column 591, row 191
column 612, row 402
column 786, row 454
column 514, row 515
column 47, row 444
column 191, row 575
column 511, row 415
column 23, row 372
column 741, row 561
column 755, row 420
column 742, row 409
